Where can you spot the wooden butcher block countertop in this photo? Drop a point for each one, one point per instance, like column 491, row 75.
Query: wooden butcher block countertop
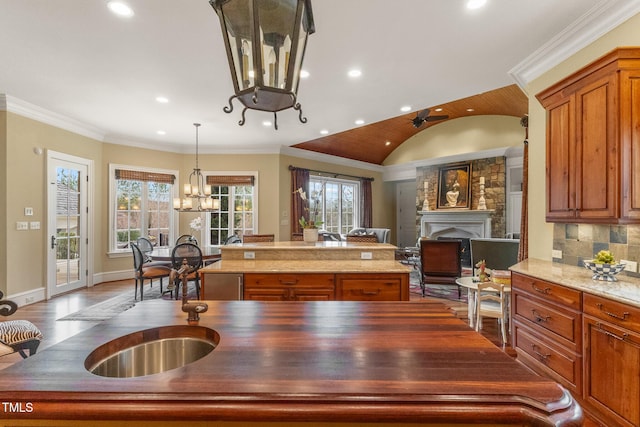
column 338, row 361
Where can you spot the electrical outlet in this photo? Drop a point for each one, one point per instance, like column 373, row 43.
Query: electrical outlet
column 556, row 254
column 366, row 255
column 631, row 265
column 29, row 300
column 249, row 255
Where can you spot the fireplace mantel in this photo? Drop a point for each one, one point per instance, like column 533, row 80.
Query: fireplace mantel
column 456, row 223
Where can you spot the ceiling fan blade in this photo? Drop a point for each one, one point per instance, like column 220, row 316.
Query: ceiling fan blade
column 423, row 114
column 434, row 118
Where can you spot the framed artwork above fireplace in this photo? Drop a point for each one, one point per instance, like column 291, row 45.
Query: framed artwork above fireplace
column 454, row 187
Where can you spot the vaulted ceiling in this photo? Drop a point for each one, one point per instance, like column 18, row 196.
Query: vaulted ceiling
column 76, row 63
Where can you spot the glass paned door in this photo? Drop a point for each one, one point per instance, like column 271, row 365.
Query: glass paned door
column 67, row 226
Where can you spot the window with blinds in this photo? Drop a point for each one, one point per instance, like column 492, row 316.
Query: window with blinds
column 141, row 202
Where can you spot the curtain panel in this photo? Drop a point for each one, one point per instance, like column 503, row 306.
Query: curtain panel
column 366, row 204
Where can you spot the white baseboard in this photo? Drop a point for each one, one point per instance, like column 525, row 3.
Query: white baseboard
column 39, row 294
column 29, row 297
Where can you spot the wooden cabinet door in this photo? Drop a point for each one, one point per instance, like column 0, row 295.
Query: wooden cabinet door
column 612, row 369
column 630, row 140
column 560, row 159
column 596, row 180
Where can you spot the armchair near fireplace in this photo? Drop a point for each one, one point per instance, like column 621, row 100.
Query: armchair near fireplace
column 440, row 262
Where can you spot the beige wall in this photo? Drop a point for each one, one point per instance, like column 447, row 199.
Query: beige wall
column 4, row 179
column 26, row 261
column 459, row 136
column 26, row 251
column 540, row 232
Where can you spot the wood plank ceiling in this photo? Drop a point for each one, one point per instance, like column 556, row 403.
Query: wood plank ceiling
column 368, row 143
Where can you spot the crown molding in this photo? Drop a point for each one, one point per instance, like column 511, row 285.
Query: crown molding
column 25, row 109
column 599, row 20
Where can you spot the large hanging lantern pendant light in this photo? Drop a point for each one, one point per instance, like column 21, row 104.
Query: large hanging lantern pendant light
column 265, row 42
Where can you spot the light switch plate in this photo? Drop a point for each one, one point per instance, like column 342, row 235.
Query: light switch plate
column 28, row 211
column 34, row 225
column 22, row 225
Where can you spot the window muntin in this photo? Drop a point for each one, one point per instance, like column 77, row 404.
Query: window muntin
column 333, row 201
column 237, row 213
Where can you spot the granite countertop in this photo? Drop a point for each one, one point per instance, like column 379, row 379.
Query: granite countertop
column 626, row 290
column 298, row 245
column 306, row 266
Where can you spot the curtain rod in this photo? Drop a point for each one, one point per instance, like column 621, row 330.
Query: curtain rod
column 334, row 174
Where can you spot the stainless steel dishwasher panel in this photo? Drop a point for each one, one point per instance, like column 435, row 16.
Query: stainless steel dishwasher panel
column 224, row 286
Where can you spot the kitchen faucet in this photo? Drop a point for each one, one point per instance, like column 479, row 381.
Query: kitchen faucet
column 193, row 308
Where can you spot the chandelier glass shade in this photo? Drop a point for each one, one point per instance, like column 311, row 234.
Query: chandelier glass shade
column 196, row 194
column 265, row 41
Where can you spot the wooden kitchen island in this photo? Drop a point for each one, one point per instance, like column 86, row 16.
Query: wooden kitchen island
column 299, row 271
column 293, row 363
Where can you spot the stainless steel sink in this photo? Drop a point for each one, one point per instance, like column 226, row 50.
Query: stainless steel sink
column 152, row 351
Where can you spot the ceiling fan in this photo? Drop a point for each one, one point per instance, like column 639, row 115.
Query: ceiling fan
column 423, row 116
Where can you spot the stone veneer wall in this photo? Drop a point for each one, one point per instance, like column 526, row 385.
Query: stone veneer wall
column 494, row 171
column 582, row 241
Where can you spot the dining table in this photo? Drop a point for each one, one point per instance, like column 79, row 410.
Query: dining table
column 471, row 283
column 209, row 253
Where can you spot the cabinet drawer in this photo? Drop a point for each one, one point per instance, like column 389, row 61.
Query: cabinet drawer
column 561, row 364
column 368, row 290
column 613, row 312
column 289, row 280
column 563, row 324
column 566, row 297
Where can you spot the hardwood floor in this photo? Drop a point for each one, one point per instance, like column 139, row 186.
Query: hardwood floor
column 45, row 316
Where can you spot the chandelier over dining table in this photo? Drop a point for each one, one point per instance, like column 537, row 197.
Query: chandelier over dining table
column 265, row 41
column 197, row 194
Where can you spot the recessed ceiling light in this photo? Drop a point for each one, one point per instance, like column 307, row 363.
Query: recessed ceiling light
column 359, row 122
column 438, row 109
column 120, row 8
column 304, row 74
column 476, row 4
column 405, row 108
column 388, row 143
column 470, row 110
column 324, row 132
column 161, row 132
column 354, row 73
column 266, row 123
column 162, row 99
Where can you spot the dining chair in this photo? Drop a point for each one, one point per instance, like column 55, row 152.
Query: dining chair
column 147, row 270
column 256, row 238
column 193, row 256
column 146, row 247
column 186, row 238
column 440, row 263
column 491, row 301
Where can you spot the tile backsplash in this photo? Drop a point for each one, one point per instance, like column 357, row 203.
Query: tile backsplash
column 582, row 241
